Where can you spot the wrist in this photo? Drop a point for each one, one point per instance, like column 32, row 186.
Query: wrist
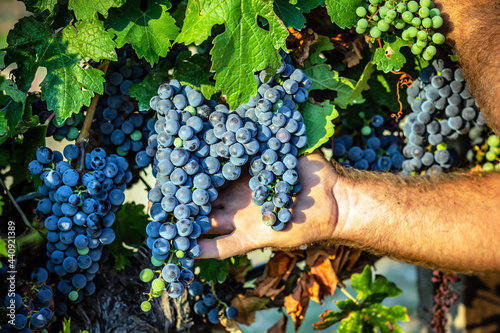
column 342, row 192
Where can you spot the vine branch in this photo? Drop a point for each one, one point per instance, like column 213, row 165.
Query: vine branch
column 23, row 216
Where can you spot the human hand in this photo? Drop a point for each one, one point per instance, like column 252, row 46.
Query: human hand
column 239, row 221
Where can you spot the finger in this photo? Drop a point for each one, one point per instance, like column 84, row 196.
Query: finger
column 222, row 222
column 221, row 247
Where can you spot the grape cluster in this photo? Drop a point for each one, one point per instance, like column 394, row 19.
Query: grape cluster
column 209, row 305
column 68, row 130
column 34, row 310
column 78, row 212
column 487, row 154
column 281, row 133
column 122, row 128
column 443, row 109
column 379, row 149
column 416, row 21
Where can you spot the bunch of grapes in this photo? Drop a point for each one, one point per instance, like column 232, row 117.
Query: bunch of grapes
column 209, row 305
column 443, row 110
column 417, row 21
column 68, row 130
column 379, row 149
column 33, row 311
column 486, row 154
column 122, row 128
column 281, row 133
column 444, row 299
column 78, row 212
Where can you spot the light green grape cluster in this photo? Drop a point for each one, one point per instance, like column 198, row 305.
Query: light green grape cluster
column 416, row 21
column 491, row 157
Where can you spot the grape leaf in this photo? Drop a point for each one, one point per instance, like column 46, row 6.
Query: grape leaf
column 150, row 32
column 389, row 57
column 91, row 40
column 11, row 114
column 130, row 231
column 318, row 119
column 46, row 4
column 148, row 88
column 292, row 13
column 322, row 44
column 3, row 244
column 367, row 312
column 195, row 71
column 243, row 48
column 86, row 11
column 67, row 85
column 343, row 12
column 355, row 97
column 213, row 270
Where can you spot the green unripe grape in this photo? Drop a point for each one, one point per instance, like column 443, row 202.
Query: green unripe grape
column 178, row 142
column 496, row 150
column 58, row 137
column 45, row 331
column 400, row 24
column 375, row 32
column 401, row 7
column 431, row 50
column 425, row 3
column 488, row 167
column 426, row 56
column 360, row 30
column 383, row 11
column 120, row 152
column 390, row 4
column 73, row 296
column 361, row 11
column 493, row 141
column 412, row 32
column 157, row 263
column 497, row 167
column 362, row 23
column 146, row 275
column 136, row 135
column 415, row 49
column 422, row 35
column 427, row 23
column 423, row 12
column 491, row 156
column 157, row 294
column 366, row 130
column 83, row 251
column 375, row 18
column 179, row 254
column 437, row 22
column 438, row 38
column 145, row 306
column 412, row 6
column 388, row 20
column 416, row 22
column 421, row 43
column 73, row 133
column 372, row 9
column 361, row 114
column 190, row 109
column 277, row 105
column 405, row 35
column 374, row 2
column 392, row 14
column 407, row 16
column 434, row 12
column 158, row 284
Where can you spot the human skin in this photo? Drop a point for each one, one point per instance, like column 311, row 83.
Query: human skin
column 450, row 222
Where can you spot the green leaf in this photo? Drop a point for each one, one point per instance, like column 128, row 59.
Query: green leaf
column 3, row 244
column 195, row 71
column 355, row 97
column 67, row 85
column 318, row 120
column 66, row 325
column 380, row 287
column 213, row 270
column 322, row 44
column 389, row 57
column 243, row 48
column 86, row 11
column 343, row 12
column 130, row 231
column 91, row 40
column 150, row 32
column 47, row 4
column 145, row 90
column 12, row 114
column 292, row 13
column 324, row 78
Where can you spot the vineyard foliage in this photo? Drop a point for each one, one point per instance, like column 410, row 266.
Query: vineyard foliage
column 216, row 47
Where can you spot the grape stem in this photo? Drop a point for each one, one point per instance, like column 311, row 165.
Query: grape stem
column 345, row 292
column 83, row 138
column 212, row 288
column 23, row 216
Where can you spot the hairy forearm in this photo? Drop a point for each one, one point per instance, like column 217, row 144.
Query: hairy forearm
column 473, row 29
column 452, row 223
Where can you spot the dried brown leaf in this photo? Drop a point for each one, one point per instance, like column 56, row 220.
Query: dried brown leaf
column 297, row 302
column 300, row 42
column 247, row 305
column 280, row 326
column 277, row 268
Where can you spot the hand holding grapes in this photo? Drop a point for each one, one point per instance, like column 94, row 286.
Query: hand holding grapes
column 239, row 221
